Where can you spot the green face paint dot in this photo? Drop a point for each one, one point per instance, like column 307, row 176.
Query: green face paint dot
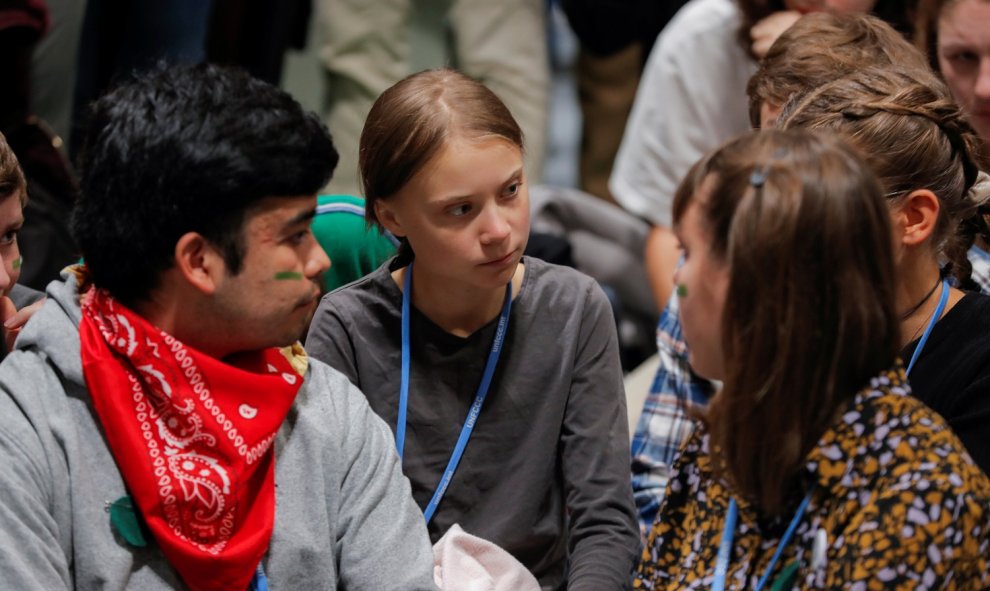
column 288, row 275
column 17, row 263
column 681, row 290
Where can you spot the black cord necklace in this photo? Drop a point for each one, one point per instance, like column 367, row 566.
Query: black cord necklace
column 927, row 297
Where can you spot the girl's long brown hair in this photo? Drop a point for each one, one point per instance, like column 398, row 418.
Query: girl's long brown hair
column 810, row 312
column 914, row 136
column 899, row 13
column 411, row 121
column 821, row 47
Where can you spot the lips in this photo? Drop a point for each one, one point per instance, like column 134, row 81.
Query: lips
column 501, row 261
column 310, row 301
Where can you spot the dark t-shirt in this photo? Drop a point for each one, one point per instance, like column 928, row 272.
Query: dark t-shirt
column 952, row 374
column 546, row 472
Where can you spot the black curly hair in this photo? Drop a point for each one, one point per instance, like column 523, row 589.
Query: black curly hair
column 187, row 149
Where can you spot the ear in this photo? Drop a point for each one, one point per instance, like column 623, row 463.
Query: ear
column 199, row 262
column 916, row 217
column 387, row 217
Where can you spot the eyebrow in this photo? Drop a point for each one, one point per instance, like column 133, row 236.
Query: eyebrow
column 303, row 216
column 958, row 45
column 13, row 224
column 455, row 198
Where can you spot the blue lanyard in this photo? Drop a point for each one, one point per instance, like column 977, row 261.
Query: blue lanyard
column 479, row 398
column 931, row 324
column 728, row 532
column 259, row 582
column 722, row 564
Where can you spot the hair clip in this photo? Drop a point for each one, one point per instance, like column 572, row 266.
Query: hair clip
column 758, row 177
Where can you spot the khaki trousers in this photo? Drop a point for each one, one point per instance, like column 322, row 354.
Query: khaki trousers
column 368, row 45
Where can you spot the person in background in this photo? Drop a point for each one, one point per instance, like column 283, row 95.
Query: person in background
column 17, row 303
column 955, row 34
column 692, row 98
column 160, row 426
column 814, row 467
column 916, row 139
column 498, row 372
column 45, row 239
column 616, row 37
column 366, row 47
column 818, row 48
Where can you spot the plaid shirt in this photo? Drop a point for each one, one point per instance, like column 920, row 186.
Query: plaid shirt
column 980, row 260
column 665, row 423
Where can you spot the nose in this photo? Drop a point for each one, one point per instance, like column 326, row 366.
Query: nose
column 982, row 87
column 495, row 227
column 317, row 262
column 5, row 274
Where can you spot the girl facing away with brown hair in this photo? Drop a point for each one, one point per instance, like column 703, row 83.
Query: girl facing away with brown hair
column 814, row 468
column 816, row 50
column 917, row 141
column 466, row 347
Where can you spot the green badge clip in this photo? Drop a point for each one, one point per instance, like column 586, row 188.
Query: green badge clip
column 125, row 520
column 786, row 579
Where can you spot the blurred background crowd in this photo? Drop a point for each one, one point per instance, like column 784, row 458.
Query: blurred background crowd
column 569, row 70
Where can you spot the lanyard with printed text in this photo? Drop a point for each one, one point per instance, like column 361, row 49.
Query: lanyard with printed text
column 728, row 532
column 479, row 399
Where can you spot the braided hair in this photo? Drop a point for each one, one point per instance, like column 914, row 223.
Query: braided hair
column 914, row 136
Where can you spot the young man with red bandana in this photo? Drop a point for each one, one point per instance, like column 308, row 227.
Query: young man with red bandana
column 158, row 427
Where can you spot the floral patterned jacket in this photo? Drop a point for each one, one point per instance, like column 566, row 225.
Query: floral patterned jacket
column 897, row 503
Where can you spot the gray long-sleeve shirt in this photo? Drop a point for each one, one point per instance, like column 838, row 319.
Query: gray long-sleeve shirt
column 546, row 472
column 344, row 517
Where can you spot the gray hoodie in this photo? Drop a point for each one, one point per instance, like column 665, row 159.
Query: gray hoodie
column 344, row 516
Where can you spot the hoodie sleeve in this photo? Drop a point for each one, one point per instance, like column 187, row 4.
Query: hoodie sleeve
column 382, row 541
column 31, row 552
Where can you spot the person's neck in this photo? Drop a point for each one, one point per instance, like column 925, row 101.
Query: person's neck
column 458, row 309
column 916, row 300
column 177, row 315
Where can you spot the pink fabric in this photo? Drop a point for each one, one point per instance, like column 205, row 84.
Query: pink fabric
column 468, row 563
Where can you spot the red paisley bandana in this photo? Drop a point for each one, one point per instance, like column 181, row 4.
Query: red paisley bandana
column 192, row 437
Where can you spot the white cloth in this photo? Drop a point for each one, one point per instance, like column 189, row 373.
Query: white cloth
column 468, row 563
column 691, row 99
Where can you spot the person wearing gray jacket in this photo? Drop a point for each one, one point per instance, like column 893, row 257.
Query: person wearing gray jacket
column 158, row 427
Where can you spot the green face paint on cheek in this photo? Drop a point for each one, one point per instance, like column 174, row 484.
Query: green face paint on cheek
column 681, row 290
column 288, row 276
column 17, row 263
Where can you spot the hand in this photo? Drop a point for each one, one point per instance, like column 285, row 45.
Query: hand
column 766, row 31
column 14, row 319
column 660, row 257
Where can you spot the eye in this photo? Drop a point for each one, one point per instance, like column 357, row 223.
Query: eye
column 964, row 57
column 459, row 210
column 9, row 238
column 297, row 238
column 512, row 189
